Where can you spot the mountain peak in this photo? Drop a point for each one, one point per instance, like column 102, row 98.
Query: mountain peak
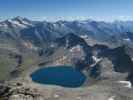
column 17, row 22
column 21, row 19
column 18, row 18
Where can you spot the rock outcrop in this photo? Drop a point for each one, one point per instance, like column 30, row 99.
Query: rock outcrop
column 19, row 92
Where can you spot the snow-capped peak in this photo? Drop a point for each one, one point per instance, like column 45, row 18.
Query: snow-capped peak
column 22, row 20
column 16, row 22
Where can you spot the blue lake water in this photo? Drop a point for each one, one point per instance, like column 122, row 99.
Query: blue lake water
column 59, row 75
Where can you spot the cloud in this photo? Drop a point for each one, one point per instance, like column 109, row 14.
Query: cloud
column 97, row 18
column 68, row 18
column 125, row 17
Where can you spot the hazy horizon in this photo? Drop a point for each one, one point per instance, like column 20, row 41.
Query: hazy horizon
column 53, row 10
column 68, row 19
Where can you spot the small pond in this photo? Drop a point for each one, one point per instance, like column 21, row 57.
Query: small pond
column 59, row 75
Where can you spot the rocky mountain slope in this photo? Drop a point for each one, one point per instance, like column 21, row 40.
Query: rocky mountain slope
column 38, row 32
column 101, row 50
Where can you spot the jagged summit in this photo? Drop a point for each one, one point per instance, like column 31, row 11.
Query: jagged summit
column 16, row 22
column 21, row 19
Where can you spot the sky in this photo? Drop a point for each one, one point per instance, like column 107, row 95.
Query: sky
column 107, row 10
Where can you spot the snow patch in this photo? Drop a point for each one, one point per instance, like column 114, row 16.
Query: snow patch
column 84, row 36
column 52, row 45
column 128, row 84
column 77, row 48
column 132, row 59
column 112, row 98
column 127, row 39
column 96, row 59
column 26, row 23
column 56, row 96
column 18, row 24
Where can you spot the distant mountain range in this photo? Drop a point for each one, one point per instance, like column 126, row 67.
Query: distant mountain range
column 40, row 32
